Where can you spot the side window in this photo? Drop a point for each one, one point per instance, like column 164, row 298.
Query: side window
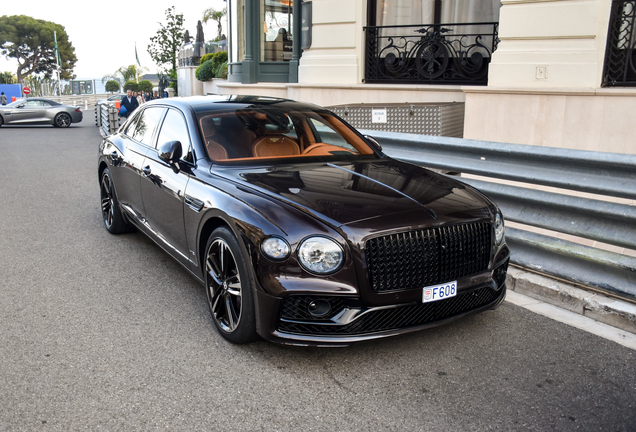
column 146, row 124
column 130, row 128
column 174, row 128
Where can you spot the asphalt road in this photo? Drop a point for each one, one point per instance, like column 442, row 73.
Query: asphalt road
column 103, row 332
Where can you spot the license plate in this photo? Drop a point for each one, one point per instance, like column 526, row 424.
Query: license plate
column 439, row 292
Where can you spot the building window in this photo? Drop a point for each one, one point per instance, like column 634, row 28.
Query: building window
column 262, row 45
column 237, row 30
column 620, row 54
column 430, row 41
column 276, row 40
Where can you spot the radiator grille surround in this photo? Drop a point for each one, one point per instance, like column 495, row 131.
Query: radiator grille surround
column 419, row 258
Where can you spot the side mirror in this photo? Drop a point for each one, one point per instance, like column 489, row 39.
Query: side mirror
column 170, row 152
column 374, row 142
column 20, row 106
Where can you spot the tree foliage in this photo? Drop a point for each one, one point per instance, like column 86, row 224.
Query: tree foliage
column 125, row 73
column 30, row 41
column 212, row 14
column 164, row 46
column 112, row 86
column 145, row 85
column 8, row 78
column 131, row 85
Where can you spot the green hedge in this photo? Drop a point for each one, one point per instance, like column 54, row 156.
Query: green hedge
column 212, row 66
column 145, row 85
column 131, row 85
column 112, row 86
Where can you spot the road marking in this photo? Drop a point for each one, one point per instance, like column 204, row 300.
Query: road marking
column 581, row 322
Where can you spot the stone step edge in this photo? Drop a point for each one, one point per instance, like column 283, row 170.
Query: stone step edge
column 608, row 310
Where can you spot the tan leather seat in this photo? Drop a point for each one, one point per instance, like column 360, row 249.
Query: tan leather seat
column 215, row 150
column 275, row 145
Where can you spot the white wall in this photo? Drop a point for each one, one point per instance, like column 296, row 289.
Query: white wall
column 335, row 56
column 550, row 44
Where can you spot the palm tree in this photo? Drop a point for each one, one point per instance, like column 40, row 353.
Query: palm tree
column 8, row 78
column 127, row 73
column 212, row 14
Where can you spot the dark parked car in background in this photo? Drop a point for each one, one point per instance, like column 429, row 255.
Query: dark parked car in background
column 302, row 230
column 39, row 111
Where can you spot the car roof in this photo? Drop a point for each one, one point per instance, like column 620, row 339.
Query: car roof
column 52, row 102
column 219, row 102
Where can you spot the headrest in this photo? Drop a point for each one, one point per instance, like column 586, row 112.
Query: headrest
column 207, row 126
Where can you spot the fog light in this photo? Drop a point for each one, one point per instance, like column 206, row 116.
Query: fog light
column 319, row 308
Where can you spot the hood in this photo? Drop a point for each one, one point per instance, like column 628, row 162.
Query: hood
column 348, row 193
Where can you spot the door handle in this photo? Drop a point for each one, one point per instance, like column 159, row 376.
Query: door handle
column 146, row 170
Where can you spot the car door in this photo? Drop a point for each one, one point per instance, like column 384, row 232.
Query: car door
column 127, row 155
column 163, row 187
column 30, row 112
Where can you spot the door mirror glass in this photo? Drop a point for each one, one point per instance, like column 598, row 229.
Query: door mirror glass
column 170, row 152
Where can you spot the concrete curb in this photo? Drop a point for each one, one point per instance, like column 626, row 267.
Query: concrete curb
column 608, row 310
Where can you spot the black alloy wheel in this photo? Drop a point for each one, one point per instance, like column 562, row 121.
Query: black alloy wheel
column 62, row 120
column 111, row 213
column 228, row 288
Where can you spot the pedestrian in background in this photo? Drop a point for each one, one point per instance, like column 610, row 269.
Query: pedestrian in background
column 140, row 99
column 155, row 95
column 129, row 102
column 3, row 99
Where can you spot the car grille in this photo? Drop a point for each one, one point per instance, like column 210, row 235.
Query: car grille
column 395, row 318
column 420, row 258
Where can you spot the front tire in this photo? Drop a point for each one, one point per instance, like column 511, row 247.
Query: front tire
column 229, row 288
column 111, row 212
column 62, row 120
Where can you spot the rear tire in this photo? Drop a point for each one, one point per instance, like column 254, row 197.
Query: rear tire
column 114, row 221
column 229, row 288
column 62, row 120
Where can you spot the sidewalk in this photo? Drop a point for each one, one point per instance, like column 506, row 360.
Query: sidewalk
column 612, row 311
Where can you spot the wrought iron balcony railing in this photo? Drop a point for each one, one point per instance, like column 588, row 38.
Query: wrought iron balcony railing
column 620, row 55
column 439, row 54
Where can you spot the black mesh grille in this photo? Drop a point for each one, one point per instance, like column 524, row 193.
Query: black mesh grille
column 296, row 307
column 399, row 317
column 420, row 258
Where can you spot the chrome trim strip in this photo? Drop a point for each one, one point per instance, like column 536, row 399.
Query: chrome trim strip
column 146, row 225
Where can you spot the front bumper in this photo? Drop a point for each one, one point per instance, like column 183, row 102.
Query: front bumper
column 350, row 323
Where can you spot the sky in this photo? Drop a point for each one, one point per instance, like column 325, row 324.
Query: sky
column 104, row 39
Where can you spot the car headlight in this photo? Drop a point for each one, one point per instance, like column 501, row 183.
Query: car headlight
column 320, row 255
column 500, row 229
column 275, row 248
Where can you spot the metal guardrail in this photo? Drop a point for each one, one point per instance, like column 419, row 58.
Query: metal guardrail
column 606, row 174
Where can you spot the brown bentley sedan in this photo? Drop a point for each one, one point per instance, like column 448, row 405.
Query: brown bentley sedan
column 301, row 229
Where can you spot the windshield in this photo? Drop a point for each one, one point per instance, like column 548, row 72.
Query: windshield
column 18, row 102
column 270, row 132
